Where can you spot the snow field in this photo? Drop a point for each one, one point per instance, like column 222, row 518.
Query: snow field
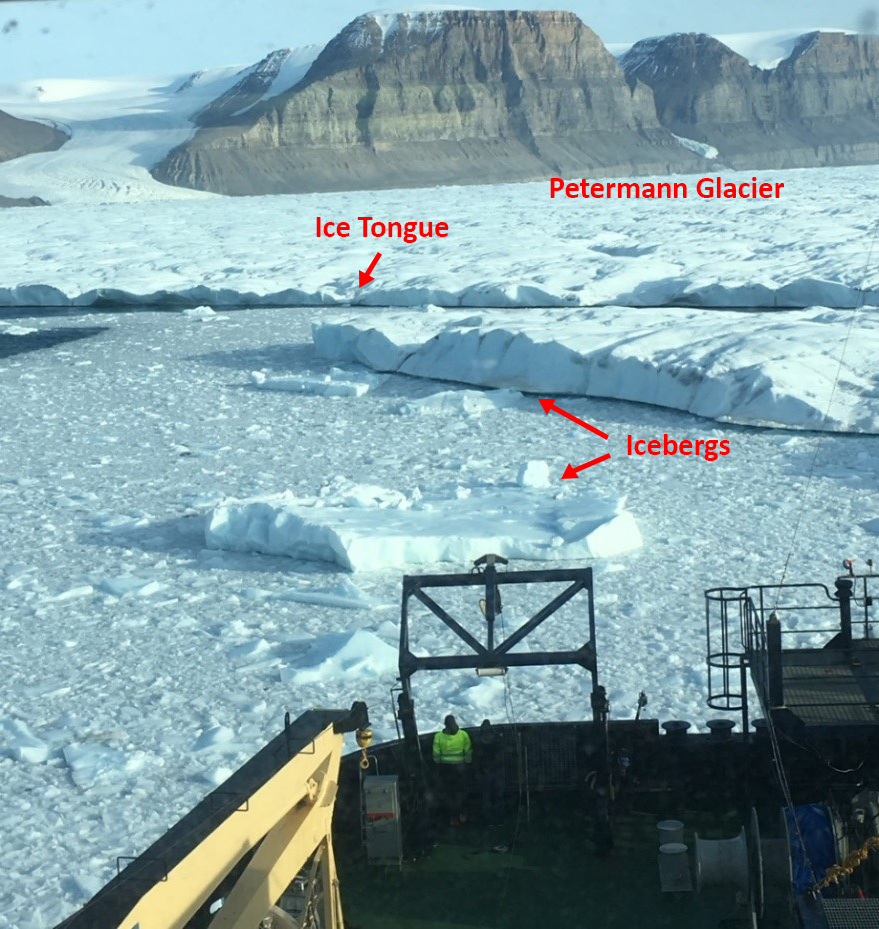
column 263, row 250
column 141, row 667
column 119, row 128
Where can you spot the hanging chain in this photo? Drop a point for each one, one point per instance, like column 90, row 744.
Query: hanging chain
column 364, row 740
column 851, row 862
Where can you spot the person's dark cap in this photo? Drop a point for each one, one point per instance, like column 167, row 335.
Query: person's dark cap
column 450, row 721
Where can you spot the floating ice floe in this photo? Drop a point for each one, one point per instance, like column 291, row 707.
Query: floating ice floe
column 335, row 384
column 344, row 654
column 130, row 585
column 12, row 329
column 366, row 528
column 808, row 369
column 96, row 763
column 218, row 775
column 217, row 738
column 344, row 595
column 204, row 313
column 20, row 744
column 533, row 474
column 247, row 650
column 73, row 593
column 460, row 402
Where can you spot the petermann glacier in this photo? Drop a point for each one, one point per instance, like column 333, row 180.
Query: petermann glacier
column 508, row 245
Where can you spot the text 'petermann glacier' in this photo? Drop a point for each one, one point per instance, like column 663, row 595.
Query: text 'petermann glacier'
column 709, row 188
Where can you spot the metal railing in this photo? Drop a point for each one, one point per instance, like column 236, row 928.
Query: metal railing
column 739, row 639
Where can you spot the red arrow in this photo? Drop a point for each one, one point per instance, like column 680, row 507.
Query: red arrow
column 367, row 277
column 571, row 471
column 550, row 405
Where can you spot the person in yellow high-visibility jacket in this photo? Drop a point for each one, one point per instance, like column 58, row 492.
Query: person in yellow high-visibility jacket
column 452, row 752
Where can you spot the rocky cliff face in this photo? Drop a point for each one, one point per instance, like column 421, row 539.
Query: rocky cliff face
column 456, row 96
column 23, row 137
column 279, row 71
column 244, row 93
column 817, row 107
column 22, row 201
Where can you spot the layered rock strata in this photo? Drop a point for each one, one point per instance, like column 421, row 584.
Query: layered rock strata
column 816, row 107
column 457, row 96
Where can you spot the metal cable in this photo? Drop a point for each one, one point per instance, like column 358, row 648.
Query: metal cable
column 818, row 445
column 511, row 719
column 770, row 725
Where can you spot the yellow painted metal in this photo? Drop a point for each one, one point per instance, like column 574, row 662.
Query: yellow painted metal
column 364, row 740
column 330, row 881
column 292, row 812
column 282, row 855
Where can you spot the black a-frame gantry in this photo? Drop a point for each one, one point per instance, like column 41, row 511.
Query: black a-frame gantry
column 491, row 656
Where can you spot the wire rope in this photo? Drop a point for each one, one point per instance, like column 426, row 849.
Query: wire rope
column 778, row 762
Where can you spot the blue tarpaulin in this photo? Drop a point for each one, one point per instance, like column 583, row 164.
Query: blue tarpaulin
column 817, row 831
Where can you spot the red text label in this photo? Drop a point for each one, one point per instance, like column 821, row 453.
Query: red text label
column 708, row 188
column 368, row 227
column 709, row 449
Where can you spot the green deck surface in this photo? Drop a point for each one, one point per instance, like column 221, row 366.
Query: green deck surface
column 550, row 878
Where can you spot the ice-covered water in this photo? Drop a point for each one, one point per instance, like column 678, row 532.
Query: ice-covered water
column 141, row 667
column 169, row 479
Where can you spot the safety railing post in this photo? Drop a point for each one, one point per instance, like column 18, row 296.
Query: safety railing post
column 844, row 587
column 773, row 649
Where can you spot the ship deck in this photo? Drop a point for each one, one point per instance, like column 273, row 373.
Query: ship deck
column 550, row 877
column 826, row 687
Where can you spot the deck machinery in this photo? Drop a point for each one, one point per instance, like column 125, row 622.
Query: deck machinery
column 813, row 661
column 774, row 825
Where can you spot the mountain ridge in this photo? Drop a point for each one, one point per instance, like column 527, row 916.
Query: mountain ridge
column 451, row 97
column 456, row 96
column 816, row 108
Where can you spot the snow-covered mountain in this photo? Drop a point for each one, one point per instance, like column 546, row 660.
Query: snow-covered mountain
column 120, row 128
column 474, row 96
column 277, row 72
column 440, row 97
column 812, row 103
column 380, row 102
column 764, row 50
